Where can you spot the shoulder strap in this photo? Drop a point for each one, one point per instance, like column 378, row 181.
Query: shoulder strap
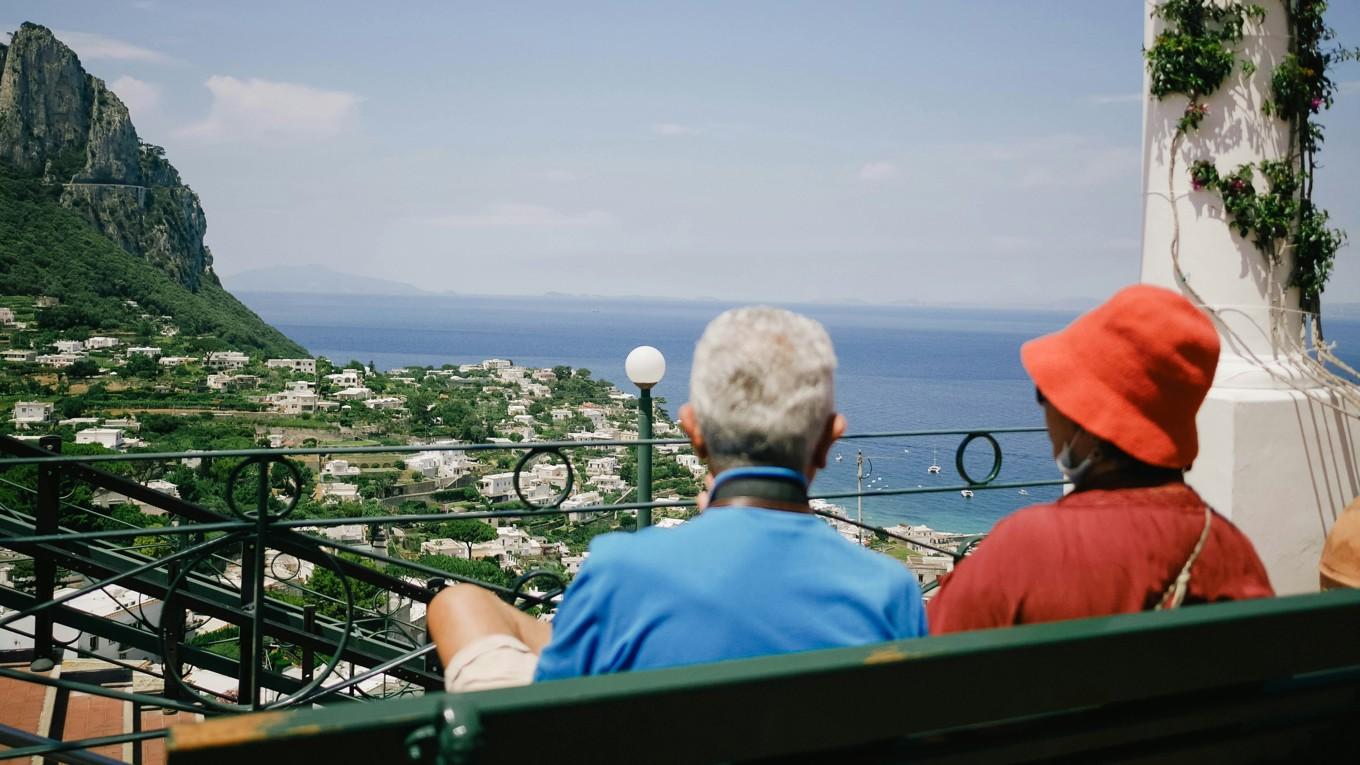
column 1175, row 594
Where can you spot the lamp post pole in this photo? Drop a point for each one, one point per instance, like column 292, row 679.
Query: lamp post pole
column 645, row 366
column 644, row 458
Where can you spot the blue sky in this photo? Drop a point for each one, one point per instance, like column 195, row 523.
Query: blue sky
column 967, row 152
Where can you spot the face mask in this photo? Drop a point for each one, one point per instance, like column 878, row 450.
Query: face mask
column 1074, row 473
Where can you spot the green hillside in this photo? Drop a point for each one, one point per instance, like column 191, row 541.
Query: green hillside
column 46, row 249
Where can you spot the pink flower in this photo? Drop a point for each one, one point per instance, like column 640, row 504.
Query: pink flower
column 1317, row 103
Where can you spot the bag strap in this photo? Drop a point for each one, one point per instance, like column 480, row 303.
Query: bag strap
column 1175, row 594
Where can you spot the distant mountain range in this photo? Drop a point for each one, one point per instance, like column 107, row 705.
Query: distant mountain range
column 317, row 280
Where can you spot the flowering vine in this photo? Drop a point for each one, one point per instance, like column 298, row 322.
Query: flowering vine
column 1193, row 57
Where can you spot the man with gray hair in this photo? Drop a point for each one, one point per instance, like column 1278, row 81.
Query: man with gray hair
column 756, row 573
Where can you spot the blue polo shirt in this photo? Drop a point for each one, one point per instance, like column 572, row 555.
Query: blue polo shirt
column 733, row 583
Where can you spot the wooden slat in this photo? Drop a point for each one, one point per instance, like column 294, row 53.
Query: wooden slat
column 843, row 698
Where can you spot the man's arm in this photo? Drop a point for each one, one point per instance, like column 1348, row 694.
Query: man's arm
column 464, row 613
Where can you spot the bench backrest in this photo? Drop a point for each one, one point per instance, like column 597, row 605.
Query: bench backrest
column 1277, row 678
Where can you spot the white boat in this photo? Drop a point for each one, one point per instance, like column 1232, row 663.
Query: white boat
column 966, row 493
column 840, row 457
column 1024, row 492
column 934, row 463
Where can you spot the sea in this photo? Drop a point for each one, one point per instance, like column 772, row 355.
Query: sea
column 901, row 368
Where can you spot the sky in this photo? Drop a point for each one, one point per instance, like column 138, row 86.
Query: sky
column 979, row 151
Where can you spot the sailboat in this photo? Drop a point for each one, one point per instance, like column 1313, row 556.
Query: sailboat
column 934, row 462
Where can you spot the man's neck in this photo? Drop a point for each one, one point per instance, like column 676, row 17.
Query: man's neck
column 772, row 488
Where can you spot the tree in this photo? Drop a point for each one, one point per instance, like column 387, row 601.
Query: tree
column 477, row 570
column 83, row 368
column 469, row 532
column 141, row 365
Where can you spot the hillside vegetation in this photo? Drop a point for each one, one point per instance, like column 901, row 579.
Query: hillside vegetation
column 46, row 249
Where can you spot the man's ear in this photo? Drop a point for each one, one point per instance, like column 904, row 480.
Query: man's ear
column 835, row 428
column 690, row 424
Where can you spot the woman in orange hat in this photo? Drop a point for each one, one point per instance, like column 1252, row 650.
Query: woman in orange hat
column 1119, row 387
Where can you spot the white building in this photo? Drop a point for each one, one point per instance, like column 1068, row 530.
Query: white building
column 101, row 341
column 602, row 466
column 444, row 464
column 493, row 364
column 340, row 469
column 6, row 316
column 382, row 402
column 108, row 499
column 611, row 483
column 176, row 361
column 226, row 360
column 32, row 413
column 536, row 390
column 300, row 366
column 348, row 378
column 691, row 463
column 497, row 487
column 143, row 350
column 337, row 491
column 560, row 414
column 580, row 500
column 294, row 401
column 109, row 438
column 69, row 346
column 59, row 359
column 355, row 393
column 18, row 356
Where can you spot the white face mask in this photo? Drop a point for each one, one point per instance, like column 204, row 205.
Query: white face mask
column 1074, row 473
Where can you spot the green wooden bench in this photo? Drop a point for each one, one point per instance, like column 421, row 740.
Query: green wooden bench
column 1268, row 680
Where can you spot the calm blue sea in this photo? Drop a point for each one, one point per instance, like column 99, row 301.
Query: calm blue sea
column 901, row 368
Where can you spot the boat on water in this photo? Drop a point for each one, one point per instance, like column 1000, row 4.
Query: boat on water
column 934, row 462
column 966, row 494
column 1024, row 492
column 840, row 457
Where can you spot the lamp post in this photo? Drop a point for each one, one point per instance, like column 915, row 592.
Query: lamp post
column 645, row 367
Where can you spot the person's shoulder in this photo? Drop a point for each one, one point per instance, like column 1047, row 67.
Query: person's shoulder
column 642, row 546
column 1025, row 523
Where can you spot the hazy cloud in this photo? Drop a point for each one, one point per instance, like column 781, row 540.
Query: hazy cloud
column 878, row 171
column 1122, row 98
column 139, row 96
column 95, row 47
column 263, row 110
column 673, row 130
column 521, row 215
column 1075, row 161
column 1011, row 243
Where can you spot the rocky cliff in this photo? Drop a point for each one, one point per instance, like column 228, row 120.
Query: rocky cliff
column 65, row 126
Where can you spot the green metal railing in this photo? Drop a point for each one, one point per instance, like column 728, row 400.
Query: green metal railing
column 373, row 636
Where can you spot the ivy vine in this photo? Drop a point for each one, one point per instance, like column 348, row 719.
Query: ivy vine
column 1193, row 56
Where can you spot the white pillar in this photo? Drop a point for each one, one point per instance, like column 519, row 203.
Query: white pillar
column 1272, row 458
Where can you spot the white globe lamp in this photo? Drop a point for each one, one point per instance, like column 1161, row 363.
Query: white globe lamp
column 645, row 366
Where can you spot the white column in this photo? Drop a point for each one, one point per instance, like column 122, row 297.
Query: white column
column 1272, row 458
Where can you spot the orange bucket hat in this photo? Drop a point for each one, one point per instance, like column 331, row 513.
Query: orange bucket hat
column 1341, row 554
column 1133, row 372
